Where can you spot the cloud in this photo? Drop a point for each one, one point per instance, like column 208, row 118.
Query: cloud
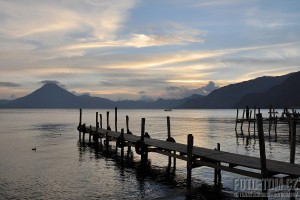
column 47, row 25
column 52, row 82
column 182, row 91
column 169, row 34
column 9, row 84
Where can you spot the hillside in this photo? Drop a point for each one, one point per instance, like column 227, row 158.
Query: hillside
column 286, row 94
column 228, row 96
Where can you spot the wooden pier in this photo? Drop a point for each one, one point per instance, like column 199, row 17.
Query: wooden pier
column 260, row 168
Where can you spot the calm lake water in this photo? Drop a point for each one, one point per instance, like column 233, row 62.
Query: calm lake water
column 62, row 168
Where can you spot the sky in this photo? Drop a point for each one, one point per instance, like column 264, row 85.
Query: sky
column 144, row 49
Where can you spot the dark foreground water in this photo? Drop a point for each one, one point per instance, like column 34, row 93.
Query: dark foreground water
column 62, row 168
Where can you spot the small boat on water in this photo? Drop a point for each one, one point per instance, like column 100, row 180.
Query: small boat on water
column 168, row 109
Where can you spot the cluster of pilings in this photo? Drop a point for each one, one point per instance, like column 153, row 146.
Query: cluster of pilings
column 288, row 116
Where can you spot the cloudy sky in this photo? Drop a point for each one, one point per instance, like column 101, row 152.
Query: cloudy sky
column 133, row 49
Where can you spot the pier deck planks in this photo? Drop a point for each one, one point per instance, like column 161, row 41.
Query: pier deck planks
column 275, row 167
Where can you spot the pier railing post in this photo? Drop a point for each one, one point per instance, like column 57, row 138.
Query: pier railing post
column 262, row 152
column 190, row 144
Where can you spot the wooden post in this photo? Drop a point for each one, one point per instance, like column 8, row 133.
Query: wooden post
column 107, row 121
column 128, row 132
column 80, row 121
column 116, row 119
column 95, row 135
column 97, row 121
column 249, row 121
column 122, row 146
column 100, row 121
column 190, row 144
column 218, row 176
column 254, row 119
column 262, row 152
column 242, row 122
column 90, row 134
column 237, row 118
column 106, row 141
column 127, row 123
column 144, row 153
column 275, row 128
column 293, row 141
column 169, row 135
column 83, row 134
column 270, row 120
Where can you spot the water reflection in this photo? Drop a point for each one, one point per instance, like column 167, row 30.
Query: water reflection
column 149, row 179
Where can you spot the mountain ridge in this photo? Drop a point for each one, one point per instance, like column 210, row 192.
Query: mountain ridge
column 279, row 91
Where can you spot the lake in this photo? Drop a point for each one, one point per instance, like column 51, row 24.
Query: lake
column 62, row 168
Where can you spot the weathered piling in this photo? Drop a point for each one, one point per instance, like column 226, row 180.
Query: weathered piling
column 236, row 119
column 293, row 141
column 116, row 119
column 217, row 174
column 249, row 121
column 100, row 116
column 128, row 132
column 100, row 126
column 242, row 122
column 189, row 162
column 96, row 136
column 144, row 148
column 170, row 139
column 169, row 136
column 262, row 152
column 121, row 143
column 107, row 121
column 90, row 134
column 80, row 122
